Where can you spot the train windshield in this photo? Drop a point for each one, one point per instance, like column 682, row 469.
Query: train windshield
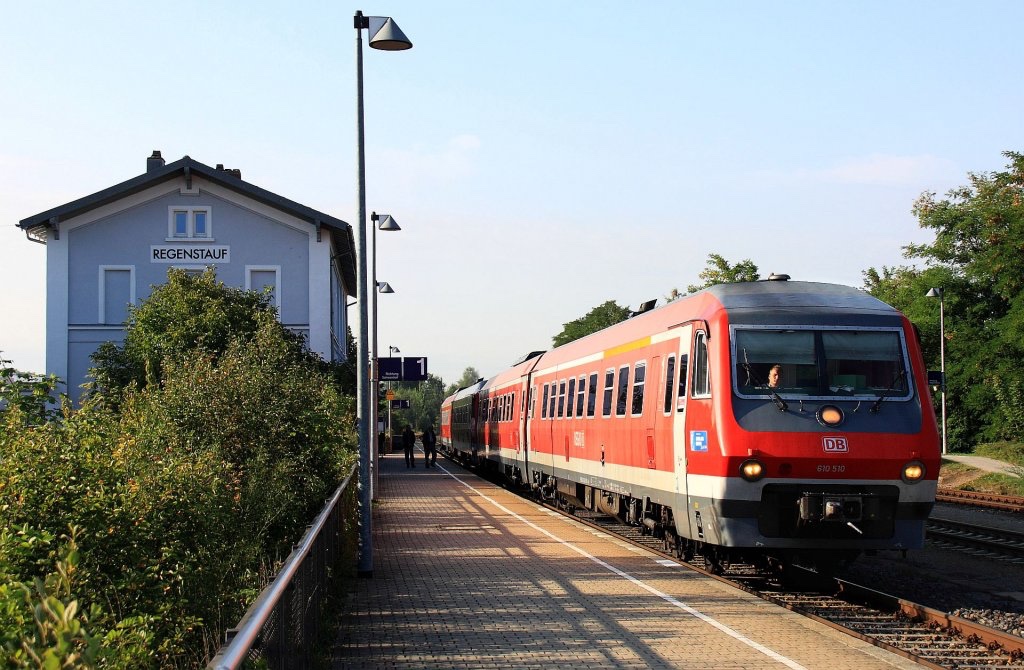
column 820, row 362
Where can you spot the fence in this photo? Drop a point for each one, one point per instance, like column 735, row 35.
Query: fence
column 282, row 627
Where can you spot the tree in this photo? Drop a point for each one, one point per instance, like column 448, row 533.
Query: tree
column 469, row 376
column 606, row 314
column 424, row 403
column 976, row 259
column 719, row 271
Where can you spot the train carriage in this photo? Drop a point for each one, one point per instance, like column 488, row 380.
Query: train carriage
column 776, row 420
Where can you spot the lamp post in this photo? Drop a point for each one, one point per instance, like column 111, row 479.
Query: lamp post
column 938, row 293
column 383, row 34
column 386, row 223
column 391, row 438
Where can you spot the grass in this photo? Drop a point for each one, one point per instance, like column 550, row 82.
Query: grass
column 962, row 476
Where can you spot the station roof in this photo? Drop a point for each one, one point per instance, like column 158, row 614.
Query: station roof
column 187, row 167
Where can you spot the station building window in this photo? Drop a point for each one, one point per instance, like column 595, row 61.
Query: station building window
column 189, row 223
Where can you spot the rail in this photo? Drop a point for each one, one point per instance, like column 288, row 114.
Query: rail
column 280, row 629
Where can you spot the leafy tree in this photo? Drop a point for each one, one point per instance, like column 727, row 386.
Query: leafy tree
column 606, row 314
column 469, row 376
column 34, row 395
column 424, row 403
column 189, row 313
column 976, row 259
column 719, row 271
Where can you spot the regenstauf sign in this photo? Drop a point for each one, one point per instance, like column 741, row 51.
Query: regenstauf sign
column 169, row 253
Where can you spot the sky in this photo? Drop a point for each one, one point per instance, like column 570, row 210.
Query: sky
column 541, row 157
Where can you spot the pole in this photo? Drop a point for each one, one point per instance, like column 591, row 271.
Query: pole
column 365, row 563
column 942, row 365
column 375, row 377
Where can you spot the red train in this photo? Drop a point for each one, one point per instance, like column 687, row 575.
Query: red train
column 771, row 421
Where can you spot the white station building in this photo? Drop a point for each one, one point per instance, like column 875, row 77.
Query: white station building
column 105, row 251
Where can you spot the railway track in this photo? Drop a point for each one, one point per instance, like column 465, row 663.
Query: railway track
column 987, row 500
column 929, row 637
column 994, row 543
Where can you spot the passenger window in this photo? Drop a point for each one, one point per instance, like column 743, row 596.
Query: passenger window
column 609, row 385
column 592, row 395
column 561, row 399
column 579, row 397
column 551, row 406
column 623, row 391
column 670, row 382
column 532, row 399
column 701, row 376
column 544, row 403
column 639, row 376
column 512, row 406
column 684, row 362
column 571, row 399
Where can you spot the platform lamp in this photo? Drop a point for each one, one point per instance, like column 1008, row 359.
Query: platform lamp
column 386, row 223
column 391, row 436
column 938, row 293
column 383, row 34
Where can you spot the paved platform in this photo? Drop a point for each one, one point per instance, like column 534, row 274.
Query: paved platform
column 467, row 575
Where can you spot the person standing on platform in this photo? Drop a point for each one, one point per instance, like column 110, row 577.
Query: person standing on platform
column 408, row 442
column 430, row 447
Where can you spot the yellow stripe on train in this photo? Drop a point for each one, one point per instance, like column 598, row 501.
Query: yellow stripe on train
column 629, row 346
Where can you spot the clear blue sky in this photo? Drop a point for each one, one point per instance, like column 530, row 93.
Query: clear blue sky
column 541, row 157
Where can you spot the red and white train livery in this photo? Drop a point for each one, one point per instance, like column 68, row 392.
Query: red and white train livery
column 675, row 419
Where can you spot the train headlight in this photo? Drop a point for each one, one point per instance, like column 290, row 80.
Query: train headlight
column 752, row 470
column 913, row 472
column 830, row 415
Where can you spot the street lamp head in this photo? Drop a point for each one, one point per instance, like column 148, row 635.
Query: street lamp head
column 384, row 287
column 933, row 293
column 394, row 350
column 385, row 222
column 386, row 35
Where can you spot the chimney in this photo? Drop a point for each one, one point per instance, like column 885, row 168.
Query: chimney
column 154, row 162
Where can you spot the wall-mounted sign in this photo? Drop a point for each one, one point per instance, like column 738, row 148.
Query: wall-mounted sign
column 171, row 253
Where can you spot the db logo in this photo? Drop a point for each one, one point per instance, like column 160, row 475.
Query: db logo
column 834, row 445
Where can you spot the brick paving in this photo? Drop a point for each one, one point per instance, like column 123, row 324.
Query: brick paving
column 467, row 575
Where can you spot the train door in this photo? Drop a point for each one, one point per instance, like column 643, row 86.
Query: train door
column 521, row 435
column 679, row 437
column 701, row 451
column 650, row 411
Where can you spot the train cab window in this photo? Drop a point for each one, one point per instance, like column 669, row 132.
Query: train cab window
column 684, row 363
column 825, row 362
column 580, row 396
column 592, row 394
column 701, row 378
column 544, row 403
column 561, row 399
column 670, row 382
column 639, row 377
column 571, row 399
column 609, row 386
column 622, row 391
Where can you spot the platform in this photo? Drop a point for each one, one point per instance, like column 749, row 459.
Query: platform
column 468, row 575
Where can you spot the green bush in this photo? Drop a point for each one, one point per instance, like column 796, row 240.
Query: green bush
column 184, row 487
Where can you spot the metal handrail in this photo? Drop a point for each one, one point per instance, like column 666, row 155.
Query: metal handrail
column 237, row 650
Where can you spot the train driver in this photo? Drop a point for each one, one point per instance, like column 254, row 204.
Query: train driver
column 774, row 376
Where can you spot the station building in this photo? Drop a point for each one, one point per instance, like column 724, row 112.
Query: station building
column 107, row 250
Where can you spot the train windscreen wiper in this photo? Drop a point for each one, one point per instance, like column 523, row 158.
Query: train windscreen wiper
column 751, row 375
column 878, row 403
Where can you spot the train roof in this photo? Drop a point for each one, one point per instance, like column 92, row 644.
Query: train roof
column 761, row 294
